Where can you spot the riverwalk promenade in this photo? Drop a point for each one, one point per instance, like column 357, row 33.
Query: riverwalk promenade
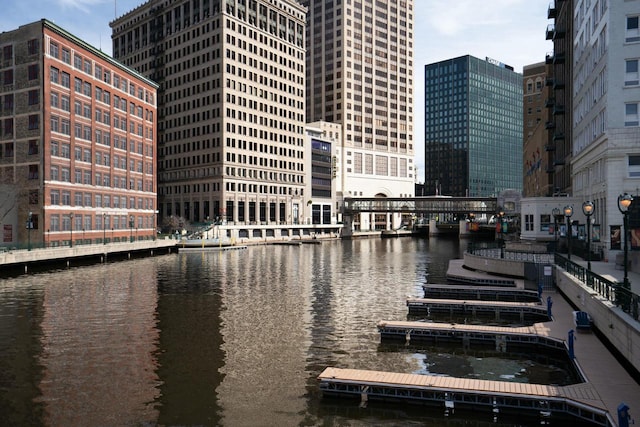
column 23, row 260
column 603, row 371
column 610, row 382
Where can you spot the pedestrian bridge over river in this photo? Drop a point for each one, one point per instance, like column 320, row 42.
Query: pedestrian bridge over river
column 429, row 205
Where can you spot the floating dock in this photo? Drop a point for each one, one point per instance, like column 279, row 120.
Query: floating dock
column 579, row 402
column 211, row 248
column 499, row 309
column 458, row 274
column 481, row 293
column 504, row 338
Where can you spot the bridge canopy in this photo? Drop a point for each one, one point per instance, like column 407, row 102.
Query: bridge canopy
column 432, row 204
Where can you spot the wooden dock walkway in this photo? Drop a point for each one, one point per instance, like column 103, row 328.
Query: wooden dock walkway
column 581, row 400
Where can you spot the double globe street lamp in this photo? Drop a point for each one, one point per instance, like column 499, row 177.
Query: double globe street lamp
column 587, row 210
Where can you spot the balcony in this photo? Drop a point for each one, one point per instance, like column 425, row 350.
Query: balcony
column 552, row 12
column 558, row 136
column 550, row 102
column 558, row 162
column 553, row 33
column 550, row 170
column 549, row 125
column 549, row 147
column 552, row 58
column 558, row 110
column 551, row 29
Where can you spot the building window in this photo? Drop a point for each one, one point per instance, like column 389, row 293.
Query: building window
column 55, row 199
column 33, row 122
column 8, row 149
column 33, row 72
column 631, row 72
column 33, row 147
column 32, row 46
column 33, row 171
column 53, row 49
column 632, row 34
column 631, row 114
column 634, row 166
column 8, row 126
column 54, row 75
column 66, row 56
column 528, row 222
column 8, row 101
column 8, row 77
column 34, row 97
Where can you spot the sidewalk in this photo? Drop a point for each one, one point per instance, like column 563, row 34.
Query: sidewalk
column 611, row 381
column 609, row 271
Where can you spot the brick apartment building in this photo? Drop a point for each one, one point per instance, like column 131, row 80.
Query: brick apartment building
column 77, row 142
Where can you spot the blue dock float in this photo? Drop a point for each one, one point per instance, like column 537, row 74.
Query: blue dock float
column 579, row 403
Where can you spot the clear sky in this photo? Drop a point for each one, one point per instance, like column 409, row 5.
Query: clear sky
column 510, row 31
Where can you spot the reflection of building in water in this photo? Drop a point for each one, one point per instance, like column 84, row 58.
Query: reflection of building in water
column 99, row 339
column 265, row 322
column 190, row 358
column 20, row 370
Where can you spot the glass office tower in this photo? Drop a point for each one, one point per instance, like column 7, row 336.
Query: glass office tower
column 473, row 128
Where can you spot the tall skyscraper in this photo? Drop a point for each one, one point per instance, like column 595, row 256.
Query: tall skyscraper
column 77, row 142
column 231, row 105
column 606, row 112
column 359, row 74
column 473, row 128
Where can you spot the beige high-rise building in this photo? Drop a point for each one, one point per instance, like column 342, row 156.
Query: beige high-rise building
column 231, row 110
column 360, row 75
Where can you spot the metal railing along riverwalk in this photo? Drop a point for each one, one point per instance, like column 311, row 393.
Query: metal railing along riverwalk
column 497, row 252
column 610, row 290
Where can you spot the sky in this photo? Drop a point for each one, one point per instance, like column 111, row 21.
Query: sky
column 510, row 31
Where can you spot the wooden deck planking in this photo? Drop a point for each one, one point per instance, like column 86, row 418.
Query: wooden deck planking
column 521, row 330
column 580, row 392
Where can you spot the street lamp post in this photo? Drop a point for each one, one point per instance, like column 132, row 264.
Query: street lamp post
column 501, row 234
column 71, row 228
column 104, row 228
column 29, row 227
column 557, row 217
column 624, row 202
column 587, row 210
column 568, row 211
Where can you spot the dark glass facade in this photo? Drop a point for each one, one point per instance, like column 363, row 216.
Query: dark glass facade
column 473, row 128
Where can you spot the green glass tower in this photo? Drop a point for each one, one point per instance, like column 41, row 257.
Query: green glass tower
column 473, row 128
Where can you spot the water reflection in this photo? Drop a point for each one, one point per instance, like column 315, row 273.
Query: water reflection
column 216, row 338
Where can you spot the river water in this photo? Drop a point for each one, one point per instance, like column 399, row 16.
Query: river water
column 225, row 338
